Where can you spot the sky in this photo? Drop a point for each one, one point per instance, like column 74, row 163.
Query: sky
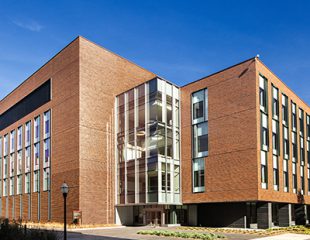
column 180, row 41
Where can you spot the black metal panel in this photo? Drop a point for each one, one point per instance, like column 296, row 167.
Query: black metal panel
column 28, row 104
column 222, row 215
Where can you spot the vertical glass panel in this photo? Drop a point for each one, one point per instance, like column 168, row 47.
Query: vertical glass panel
column 200, row 140
column 176, row 113
column 198, row 175
column 198, row 99
column 131, row 182
column 169, row 110
column 176, row 180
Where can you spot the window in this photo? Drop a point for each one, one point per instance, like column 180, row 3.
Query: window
column 264, row 132
column 5, row 187
column 302, row 151
column 285, row 176
column 275, row 173
column 200, row 143
column 286, row 144
column 28, row 134
column 294, row 146
column 19, row 138
column 36, row 156
column 5, row 167
column 47, row 120
column 199, row 175
column 0, row 147
column 285, row 110
column 294, row 117
column 301, row 122
column 275, row 137
column 12, row 145
column 308, row 151
column 294, row 170
column 12, row 166
column 200, row 106
column 264, row 170
column 46, row 162
column 5, row 145
column 27, row 183
column 302, row 179
column 11, row 186
column 308, row 127
column 176, row 180
column 275, row 103
column 37, row 129
column 19, row 184
column 263, row 90
column 27, row 160
column 165, row 177
column 46, row 179
column 36, row 181
column 19, row 162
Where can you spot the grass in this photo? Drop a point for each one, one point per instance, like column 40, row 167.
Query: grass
column 193, row 235
column 266, row 232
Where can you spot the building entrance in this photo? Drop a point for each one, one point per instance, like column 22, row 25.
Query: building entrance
column 153, row 217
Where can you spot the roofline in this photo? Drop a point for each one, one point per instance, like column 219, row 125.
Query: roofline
column 283, row 82
column 252, row 58
column 78, row 37
column 116, row 54
column 39, row 68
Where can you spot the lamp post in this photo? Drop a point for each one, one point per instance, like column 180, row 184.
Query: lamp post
column 65, row 190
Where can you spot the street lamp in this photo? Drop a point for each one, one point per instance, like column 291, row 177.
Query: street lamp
column 65, row 190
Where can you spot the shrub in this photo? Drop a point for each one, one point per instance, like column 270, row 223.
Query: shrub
column 165, row 233
column 15, row 230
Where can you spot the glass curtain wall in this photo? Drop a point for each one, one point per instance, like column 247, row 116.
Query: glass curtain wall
column 148, row 144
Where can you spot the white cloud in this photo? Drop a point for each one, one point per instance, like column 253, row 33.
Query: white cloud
column 29, row 25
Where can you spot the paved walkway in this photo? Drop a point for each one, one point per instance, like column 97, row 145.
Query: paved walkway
column 288, row 236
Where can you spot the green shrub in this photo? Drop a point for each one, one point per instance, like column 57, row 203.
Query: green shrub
column 165, row 233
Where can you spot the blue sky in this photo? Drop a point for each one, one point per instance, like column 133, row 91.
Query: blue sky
column 181, row 41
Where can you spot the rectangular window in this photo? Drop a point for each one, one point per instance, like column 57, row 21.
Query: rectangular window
column 264, row 170
column 302, row 179
column 200, row 143
column 286, row 144
column 46, row 179
column 275, row 173
column 19, row 185
column 199, row 175
column 47, row 123
column 27, row 183
column 308, row 152
column 20, row 138
column 5, row 167
column 263, row 93
column 0, row 147
column 19, row 162
column 12, row 165
column 294, row 170
column 5, row 145
column 36, row 181
column 46, row 156
column 200, row 106
column 12, row 145
column 294, row 117
column 36, row 129
column 302, row 151
column 308, row 127
column 285, row 110
column 27, row 160
column 294, row 146
column 285, row 176
column 28, row 134
column 275, row 137
column 36, row 156
column 5, row 187
column 275, row 103
column 308, row 174
column 301, row 122
column 11, row 186
column 264, row 132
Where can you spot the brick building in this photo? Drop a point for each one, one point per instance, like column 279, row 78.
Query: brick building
column 230, row 149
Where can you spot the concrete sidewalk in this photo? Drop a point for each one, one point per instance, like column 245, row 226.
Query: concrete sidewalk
column 288, row 236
